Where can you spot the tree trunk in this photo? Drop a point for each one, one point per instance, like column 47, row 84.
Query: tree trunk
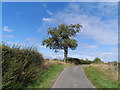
column 65, row 53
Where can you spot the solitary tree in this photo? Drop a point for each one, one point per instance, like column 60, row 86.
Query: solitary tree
column 61, row 38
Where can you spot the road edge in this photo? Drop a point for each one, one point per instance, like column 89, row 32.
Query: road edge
column 86, row 76
column 58, row 77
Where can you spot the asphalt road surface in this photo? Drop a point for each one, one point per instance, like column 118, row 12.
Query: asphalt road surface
column 73, row 77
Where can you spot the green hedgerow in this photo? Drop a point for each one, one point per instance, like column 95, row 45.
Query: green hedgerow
column 20, row 66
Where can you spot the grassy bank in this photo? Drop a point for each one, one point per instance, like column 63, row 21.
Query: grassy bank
column 100, row 79
column 47, row 79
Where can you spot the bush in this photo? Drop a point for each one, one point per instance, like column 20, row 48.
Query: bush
column 97, row 60
column 78, row 61
column 20, row 66
column 73, row 60
column 85, row 61
column 56, row 59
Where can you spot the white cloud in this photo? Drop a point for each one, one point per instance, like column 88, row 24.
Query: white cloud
column 104, row 56
column 47, row 19
column 87, row 46
column 40, row 46
column 6, row 28
column 91, row 46
column 13, row 43
column 53, row 56
column 109, row 53
column 109, row 56
column 32, row 39
column 10, row 42
column 8, row 36
column 34, row 42
column 49, row 12
column 76, row 55
column 102, row 31
column 100, row 9
column 22, row 44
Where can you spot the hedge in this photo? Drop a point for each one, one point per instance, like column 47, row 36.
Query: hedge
column 20, row 66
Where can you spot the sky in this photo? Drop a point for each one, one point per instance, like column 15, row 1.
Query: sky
column 27, row 23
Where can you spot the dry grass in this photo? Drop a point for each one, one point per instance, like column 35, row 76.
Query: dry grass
column 55, row 62
column 52, row 62
column 110, row 70
column 102, row 75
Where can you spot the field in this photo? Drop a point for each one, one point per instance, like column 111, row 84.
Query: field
column 102, row 75
column 25, row 67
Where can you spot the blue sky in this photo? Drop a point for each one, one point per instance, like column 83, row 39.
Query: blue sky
column 27, row 23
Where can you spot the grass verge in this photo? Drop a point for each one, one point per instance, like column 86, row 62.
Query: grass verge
column 99, row 79
column 47, row 78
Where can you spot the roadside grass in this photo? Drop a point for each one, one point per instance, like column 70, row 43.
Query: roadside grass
column 47, row 79
column 99, row 79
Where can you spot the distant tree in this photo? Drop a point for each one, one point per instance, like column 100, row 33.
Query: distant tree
column 113, row 63
column 97, row 60
column 61, row 38
column 47, row 59
column 86, row 59
column 56, row 59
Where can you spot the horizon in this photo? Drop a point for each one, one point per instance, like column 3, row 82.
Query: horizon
column 27, row 23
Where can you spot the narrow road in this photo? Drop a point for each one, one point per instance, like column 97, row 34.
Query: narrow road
column 73, row 77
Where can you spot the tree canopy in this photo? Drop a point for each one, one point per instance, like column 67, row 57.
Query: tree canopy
column 97, row 60
column 61, row 37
